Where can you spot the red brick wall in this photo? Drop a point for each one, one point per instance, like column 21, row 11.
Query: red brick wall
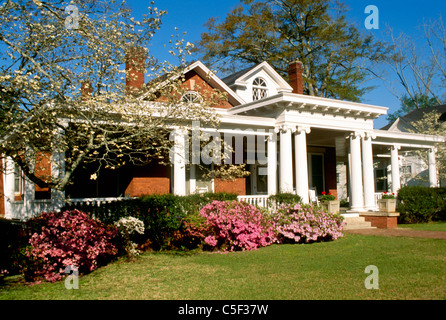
column 194, row 82
column 238, row 186
column 382, row 222
column 140, row 186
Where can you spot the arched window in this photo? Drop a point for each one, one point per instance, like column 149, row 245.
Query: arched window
column 259, row 89
column 191, row 97
column 442, row 117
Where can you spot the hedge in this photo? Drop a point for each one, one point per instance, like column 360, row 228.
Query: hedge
column 417, row 204
column 162, row 215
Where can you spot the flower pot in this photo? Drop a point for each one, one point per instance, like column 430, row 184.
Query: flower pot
column 387, row 205
column 331, row 206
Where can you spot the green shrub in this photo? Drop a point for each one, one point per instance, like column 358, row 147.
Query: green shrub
column 284, row 198
column 163, row 215
column 418, row 204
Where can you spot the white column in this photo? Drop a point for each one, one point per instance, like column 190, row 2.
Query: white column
column 286, row 160
column 301, row 165
column 432, row 169
column 272, row 163
column 8, row 187
column 395, row 168
column 58, row 173
column 356, row 187
column 179, row 163
column 368, row 172
column 29, row 196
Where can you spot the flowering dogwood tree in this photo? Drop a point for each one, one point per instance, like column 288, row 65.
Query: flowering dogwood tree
column 52, row 49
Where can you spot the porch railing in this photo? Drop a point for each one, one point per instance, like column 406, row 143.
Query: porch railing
column 94, row 201
column 256, row 200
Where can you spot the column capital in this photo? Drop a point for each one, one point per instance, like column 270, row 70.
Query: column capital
column 303, row 129
column 433, row 149
column 354, row 134
column 284, row 128
column 395, row 147
column 369, row 135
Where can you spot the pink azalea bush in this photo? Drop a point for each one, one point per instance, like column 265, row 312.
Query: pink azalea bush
column 60, row 239
column 297, row 223
column 233, row 226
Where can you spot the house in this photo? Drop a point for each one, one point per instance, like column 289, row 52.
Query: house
column 289, row 141
column 413, row 169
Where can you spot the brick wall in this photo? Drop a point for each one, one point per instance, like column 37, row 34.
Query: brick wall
column 193, row 81
column 238, row 186
column 140, row 186
column 382, row 222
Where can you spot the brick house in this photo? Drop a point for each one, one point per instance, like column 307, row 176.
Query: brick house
column 290, row 142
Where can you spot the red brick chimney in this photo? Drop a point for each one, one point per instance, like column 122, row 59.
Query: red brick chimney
column 295, row 75
column 135, row 68
column 86, row 90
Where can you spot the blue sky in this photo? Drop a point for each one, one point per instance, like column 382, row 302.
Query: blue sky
column 402, row 16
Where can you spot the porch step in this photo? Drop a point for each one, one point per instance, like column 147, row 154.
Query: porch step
column 356, row 222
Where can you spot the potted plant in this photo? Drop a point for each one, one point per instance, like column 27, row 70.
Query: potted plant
column 329, row 203
column 387, row 203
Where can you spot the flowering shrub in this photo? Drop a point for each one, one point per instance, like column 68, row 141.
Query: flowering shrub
column 126, row 227
column 66, row 238
column 232, row 225
column 296, row 223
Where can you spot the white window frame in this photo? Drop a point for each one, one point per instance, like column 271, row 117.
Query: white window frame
column 259, row 89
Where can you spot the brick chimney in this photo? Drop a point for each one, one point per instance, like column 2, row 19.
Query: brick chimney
column 295, row 75
column 86, row 90
column 134, row 69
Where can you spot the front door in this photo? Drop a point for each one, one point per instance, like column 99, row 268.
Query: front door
column 316, row 172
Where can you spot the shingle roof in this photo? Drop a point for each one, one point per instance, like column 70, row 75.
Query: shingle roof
column 231, row 78
column 417, row 115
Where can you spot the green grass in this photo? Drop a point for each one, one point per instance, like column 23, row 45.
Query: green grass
column 408, row 269
column 431, row 226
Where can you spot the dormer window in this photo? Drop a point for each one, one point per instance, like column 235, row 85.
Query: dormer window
column 191, row 97
column 259, row 89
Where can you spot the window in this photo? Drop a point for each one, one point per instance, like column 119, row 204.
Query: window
column 259, row 89
column 17, row 180
column 191, row 97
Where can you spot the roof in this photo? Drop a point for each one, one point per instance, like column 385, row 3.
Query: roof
column 231, row 78
column 414, row 116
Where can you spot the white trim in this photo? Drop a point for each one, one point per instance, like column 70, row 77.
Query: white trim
column 283, row 85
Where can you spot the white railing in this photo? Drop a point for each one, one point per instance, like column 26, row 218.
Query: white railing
column 256, row 200
column 378, row 195
column 94, row 201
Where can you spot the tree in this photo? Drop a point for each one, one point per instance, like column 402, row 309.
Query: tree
column 50, row 49
column 335, row 55
column 433, row 123
column 420, row 68
column 408, row 104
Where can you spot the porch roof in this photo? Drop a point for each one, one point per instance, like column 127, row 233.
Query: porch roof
column 405, row 140
column 313, row 104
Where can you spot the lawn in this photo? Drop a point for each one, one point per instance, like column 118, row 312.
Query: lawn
column 408, row 269
column 431, row 226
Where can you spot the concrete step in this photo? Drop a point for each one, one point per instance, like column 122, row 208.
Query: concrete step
column 354, row 223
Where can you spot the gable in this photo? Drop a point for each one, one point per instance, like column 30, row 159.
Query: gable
column 199, row 78
column 196, row 83
column 243, row 82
